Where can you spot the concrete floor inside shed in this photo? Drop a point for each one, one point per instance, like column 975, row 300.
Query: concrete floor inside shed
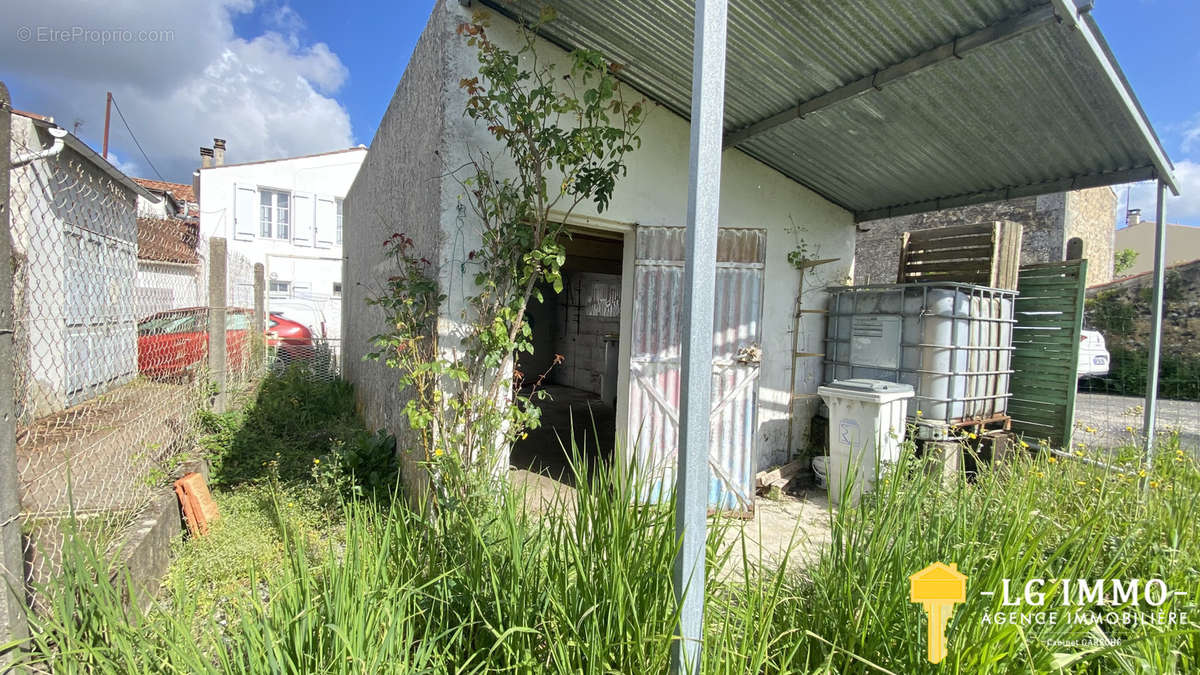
column 569, row 416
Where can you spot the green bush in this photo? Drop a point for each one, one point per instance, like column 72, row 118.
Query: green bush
column 359, row 465
column 1118, row 317
column 1178, row 374
column 294, row 419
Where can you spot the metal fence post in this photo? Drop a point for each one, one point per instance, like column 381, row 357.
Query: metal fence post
column 695, row 405
column 13, row 622
column 218, row 373
column 258, row 338
column 1160, row 245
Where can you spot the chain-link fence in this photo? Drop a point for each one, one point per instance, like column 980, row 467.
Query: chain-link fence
column 111, row 344
column 1114, row 359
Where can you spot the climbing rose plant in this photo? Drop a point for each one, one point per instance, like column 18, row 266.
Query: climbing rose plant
column 562, row 138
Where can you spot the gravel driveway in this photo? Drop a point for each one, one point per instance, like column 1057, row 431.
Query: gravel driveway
column 1107, row 421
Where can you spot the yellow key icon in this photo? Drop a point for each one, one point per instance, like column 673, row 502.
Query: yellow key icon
column 938, row 588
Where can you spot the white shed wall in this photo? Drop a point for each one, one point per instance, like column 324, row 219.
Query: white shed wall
column 655, row 194
column 74, row 234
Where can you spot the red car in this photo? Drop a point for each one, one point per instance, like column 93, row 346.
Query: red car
column 175, row 342
column 293, row 340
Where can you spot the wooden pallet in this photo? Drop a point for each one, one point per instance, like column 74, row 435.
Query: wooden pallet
column 988, row 254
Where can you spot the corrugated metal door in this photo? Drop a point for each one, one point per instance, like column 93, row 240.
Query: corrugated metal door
column 655, row 361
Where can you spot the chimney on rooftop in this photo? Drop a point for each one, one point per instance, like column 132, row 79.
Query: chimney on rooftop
column 218, row 151
column 206, row 158
column 1133, row 217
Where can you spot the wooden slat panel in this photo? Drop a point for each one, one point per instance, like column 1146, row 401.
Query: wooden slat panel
column 932, row 255
column 953, row 243
column 1049, row 315
column 1012, row 235
column 953, row 231
column 1046, row 283
column 947, row 277
column 903, row 257
column 955, row 266
column 981, row 253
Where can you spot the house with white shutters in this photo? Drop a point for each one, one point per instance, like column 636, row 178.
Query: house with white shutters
column 286, row 214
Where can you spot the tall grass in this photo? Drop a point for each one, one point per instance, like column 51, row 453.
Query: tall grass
column 584, row 586
column 1029, row 519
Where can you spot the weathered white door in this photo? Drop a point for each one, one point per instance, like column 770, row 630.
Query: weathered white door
column 655, row 361
column 100, row 330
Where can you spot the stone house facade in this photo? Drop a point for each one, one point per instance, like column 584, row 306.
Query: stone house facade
column 1050, row 224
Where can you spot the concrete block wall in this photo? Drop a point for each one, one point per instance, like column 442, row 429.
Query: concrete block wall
column 398, row 189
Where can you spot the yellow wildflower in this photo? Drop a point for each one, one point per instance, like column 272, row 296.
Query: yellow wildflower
column 1081, row 482
column 1052, row 459
column 1129, row 429
column 437, row 453
column 1153, row 483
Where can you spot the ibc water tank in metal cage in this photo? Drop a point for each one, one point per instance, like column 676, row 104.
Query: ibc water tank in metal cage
column 951, row 341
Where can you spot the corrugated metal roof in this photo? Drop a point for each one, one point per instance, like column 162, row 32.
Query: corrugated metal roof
column 1040, row 111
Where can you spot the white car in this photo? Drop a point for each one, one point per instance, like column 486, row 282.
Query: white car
column 1093, row 355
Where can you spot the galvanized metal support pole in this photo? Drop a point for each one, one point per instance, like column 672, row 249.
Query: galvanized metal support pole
column 1160, row 252
column 258, row 337
column 704, row 187
column 13, row 622
column 217, row 261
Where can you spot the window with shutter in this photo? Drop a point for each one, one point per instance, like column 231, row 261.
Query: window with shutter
column 246, row 212
column 326, row 221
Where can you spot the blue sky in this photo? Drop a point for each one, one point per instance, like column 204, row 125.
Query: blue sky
column 280, row 78
column 1157, row 43
column 373, row 39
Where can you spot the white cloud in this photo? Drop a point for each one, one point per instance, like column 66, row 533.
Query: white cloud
column 1191, row 135
column 1182, row 209
column 268, row 96
column 126, row 167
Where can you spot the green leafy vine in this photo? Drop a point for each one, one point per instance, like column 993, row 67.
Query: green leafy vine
column 564, row 138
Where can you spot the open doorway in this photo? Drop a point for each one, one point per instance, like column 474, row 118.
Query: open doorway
column 576, row 338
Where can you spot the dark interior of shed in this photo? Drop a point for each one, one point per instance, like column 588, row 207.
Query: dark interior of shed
column 572, row 372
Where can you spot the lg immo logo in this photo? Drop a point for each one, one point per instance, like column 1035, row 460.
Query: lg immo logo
column 1127, row 602
column 1040, row 602
column 937, row 588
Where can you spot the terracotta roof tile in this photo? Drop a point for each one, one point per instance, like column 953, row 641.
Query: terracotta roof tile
column 33, row 115
column 180, row 191
column 167, row 240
